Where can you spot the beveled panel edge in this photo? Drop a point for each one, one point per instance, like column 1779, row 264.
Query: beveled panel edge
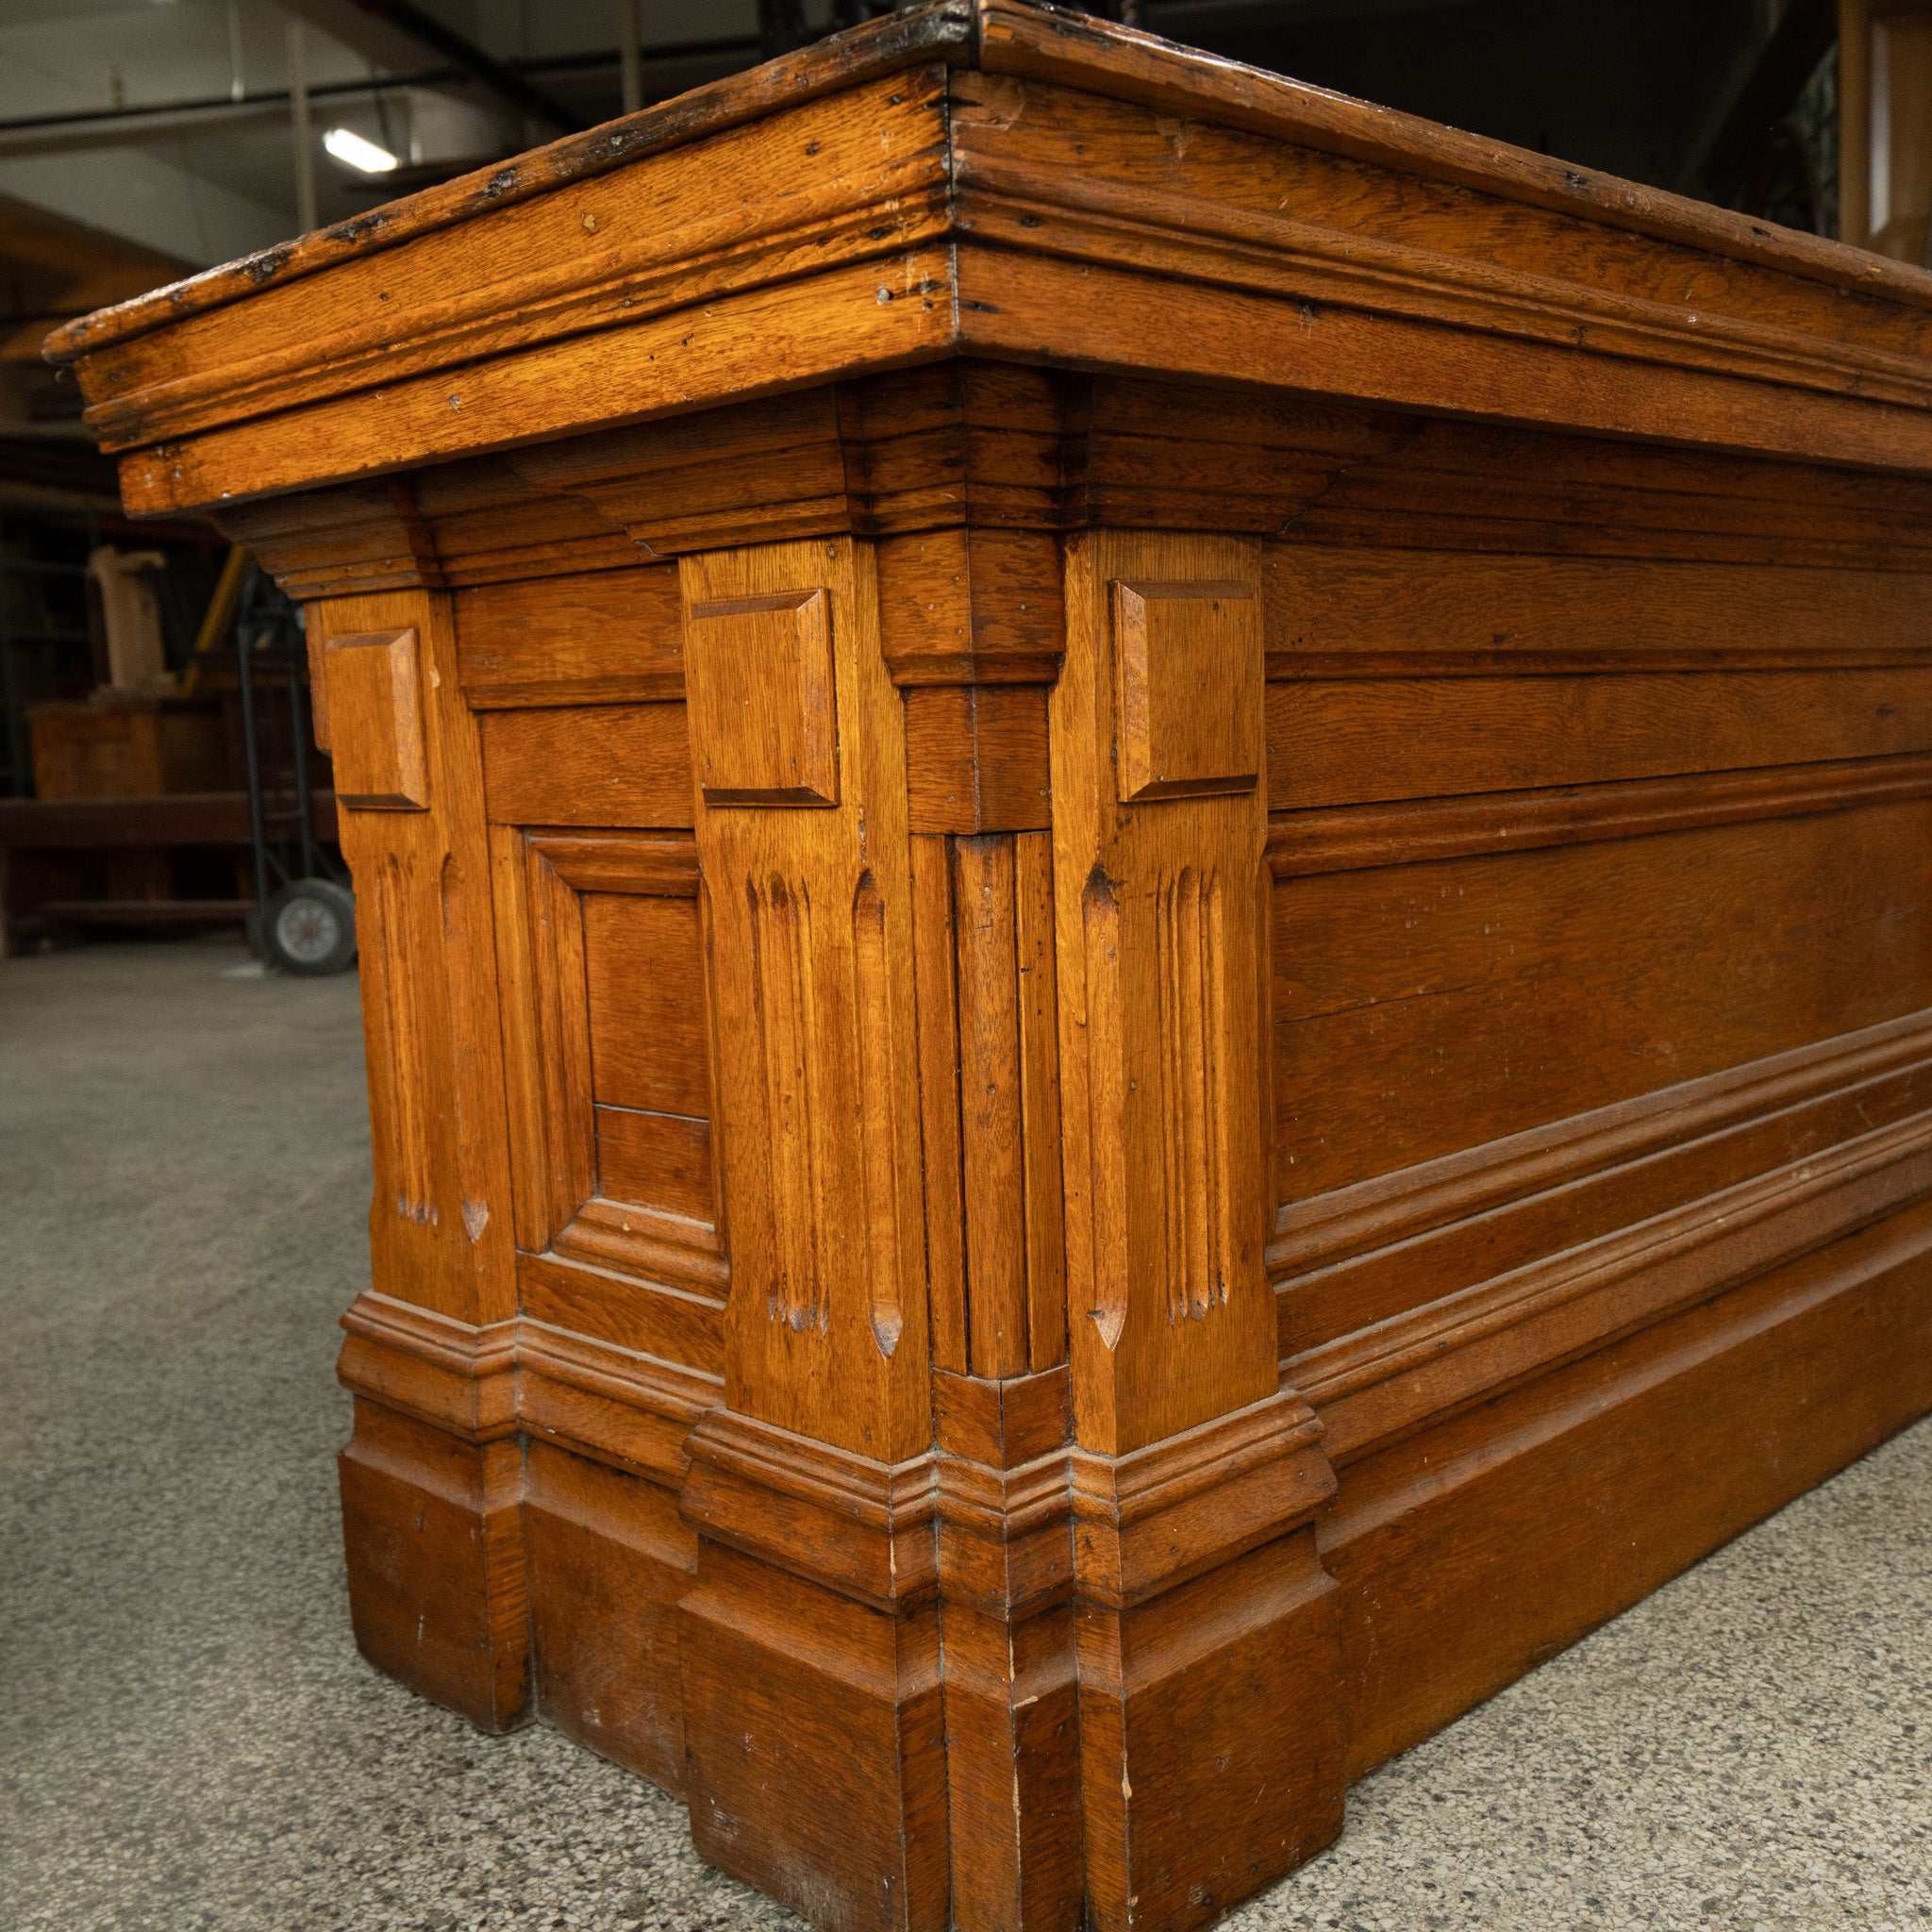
column 1412, row 1201
column 1379, row 1384
column 1360, row 837
column 655, row 862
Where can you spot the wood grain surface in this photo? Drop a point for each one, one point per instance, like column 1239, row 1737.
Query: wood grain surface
column 1147, row 954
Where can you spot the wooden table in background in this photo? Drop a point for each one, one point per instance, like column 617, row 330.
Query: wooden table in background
column 1145, row 866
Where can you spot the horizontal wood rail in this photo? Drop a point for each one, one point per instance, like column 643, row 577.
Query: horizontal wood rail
column 1357, row 838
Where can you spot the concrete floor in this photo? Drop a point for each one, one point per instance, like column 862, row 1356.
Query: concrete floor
column 188, row 1739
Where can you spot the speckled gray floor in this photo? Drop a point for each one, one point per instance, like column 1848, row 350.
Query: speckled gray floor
column 188, row 1739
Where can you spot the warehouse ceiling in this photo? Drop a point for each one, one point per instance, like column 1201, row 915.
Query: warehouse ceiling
column 141, row 139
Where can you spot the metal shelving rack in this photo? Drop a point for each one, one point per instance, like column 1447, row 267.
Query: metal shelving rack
column 17, row 691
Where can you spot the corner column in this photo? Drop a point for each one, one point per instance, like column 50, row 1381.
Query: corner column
column 1210, row 1723
column 432, row 1475
column 810, row 1640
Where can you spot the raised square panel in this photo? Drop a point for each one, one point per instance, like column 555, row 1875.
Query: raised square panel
column 1191, row 687
column 759, row 680
column 375, row 722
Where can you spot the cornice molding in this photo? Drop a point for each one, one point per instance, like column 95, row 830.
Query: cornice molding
column 347, row 356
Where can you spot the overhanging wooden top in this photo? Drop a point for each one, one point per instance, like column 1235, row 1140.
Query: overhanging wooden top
column 982, row 176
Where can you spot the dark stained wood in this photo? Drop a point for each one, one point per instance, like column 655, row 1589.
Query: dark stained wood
column 609, row 1561
column 1147, row 945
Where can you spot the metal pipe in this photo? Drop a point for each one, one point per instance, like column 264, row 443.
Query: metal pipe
column 237, row 88
column 244, row 652
column 630, row 74
column 292, row 641
column 422, row 27
column 221, row 106
column 301, row 129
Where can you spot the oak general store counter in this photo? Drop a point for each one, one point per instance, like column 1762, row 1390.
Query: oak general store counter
column 1145, row 880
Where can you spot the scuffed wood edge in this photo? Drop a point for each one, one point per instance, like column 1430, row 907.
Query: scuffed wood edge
column 945, row 30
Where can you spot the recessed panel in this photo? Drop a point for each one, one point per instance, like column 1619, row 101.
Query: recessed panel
column 1369, row 739
column 643, row 961
column 1426, row 1009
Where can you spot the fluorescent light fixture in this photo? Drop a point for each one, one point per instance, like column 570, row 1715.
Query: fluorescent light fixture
column 363, row 156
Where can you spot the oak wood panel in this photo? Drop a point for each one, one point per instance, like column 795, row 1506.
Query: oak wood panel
column 610, row 1558
column 659, row 1159
column 643, row 959
column 605, row 765
column 376, row 721
column 606, row 637
column 1009, row 1095
column 1432, row 1008
column 1541, row 1515
column 1376, row 1287
column 1356, row 612
column 1358, row 742
column 1490, row 487
column 1549, row 1160
column 977, row 759
column 1567, row 1029
column 811, row 988
column 441, row 1219
column 934, row 969
column 1349, row 837
column 1031, row 307
column 437, row 1587
column 671, row 1323
column 1160, row 930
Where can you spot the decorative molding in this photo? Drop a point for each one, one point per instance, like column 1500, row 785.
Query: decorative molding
column 478, row 1383
column 878, row 1063
column 763, row 709
column 1146, row 1521
column 862, row 1527
column 1401, row 1207
column 375, row 722
column 1163, row 988
column 661, row 244
column 1360, row 837
column 1192, row 237
column 810, row 982
column 562, row 1209
column 1004, row 38
column 1413, row 1370
column 788, row 1049
column 1188, row 656
column 1190, row 971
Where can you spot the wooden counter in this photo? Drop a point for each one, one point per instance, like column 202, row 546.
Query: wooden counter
column 1146, row 903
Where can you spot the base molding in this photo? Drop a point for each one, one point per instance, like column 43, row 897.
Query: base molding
column 1010, row 1685
column 434, row 1535
column 1469, row 1553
